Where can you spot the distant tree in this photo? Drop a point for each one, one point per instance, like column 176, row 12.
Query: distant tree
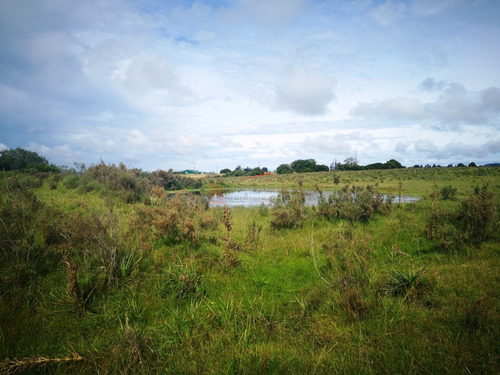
column 80, row 167
column 284, row 169
column 376, row 166
column 334, row 166
column 225, row 170
column 351, row 161
column 20, row 159
column 322, row 168
column 460, row 165
column 472, row 164
column 264, row 169
column 392, row 164
column 256, row 171
column 301, row 166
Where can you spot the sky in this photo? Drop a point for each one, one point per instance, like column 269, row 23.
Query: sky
column 213, row 84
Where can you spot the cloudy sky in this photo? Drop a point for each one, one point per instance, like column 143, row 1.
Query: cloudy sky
column 218, row 83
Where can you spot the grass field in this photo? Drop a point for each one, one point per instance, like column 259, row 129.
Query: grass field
column 92, row 284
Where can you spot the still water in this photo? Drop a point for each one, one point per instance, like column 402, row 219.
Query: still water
column 256, row 197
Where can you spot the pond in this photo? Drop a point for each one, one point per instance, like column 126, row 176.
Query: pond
column 256, row 197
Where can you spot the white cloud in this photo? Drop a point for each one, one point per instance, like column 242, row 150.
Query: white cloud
column 63, row 153
column 397, row 108
column 149, row 73
column 388, row 12
column 402, row 147
column 137, row 138
column 305, row 92
column 426, row 8
column 339, row 143
column 268, row 12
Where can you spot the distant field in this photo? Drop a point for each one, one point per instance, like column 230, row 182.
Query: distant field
column 106, row 274
column 419, row 181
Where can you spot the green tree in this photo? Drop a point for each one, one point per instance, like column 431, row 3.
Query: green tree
column 20, row 159
column 392, row 164
column 284, row 169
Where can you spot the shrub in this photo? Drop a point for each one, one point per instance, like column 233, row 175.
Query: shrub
column 131, row 185
column 26, row 233
column 288, row 211
column 448, row 192
column 353, row 204
column 71, row 181
column 95, row 236
column 471, row 224
column 336, row 178
column 476, row 215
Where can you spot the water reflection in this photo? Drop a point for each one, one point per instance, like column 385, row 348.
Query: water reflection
column 255, row 197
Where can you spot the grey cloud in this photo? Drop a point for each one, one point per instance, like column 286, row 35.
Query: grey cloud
column 305, row 92
column 490, row 99
column 430, row 84
column 454, row 106
column 458, row 106
column 457, row 150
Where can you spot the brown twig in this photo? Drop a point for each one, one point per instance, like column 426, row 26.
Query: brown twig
column 8, row 366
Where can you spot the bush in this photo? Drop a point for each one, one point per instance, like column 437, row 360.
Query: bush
column 448, row 192
column 471, row 224
column 93, row 238
column 288, row 211
column 26, row 232
column 71, row 181
column 131, row 185
column 476, row 215
column 353, row 204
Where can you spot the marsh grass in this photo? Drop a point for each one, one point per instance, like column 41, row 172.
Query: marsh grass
column 393, row 301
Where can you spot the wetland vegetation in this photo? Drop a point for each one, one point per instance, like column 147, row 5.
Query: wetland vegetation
column 101, row 271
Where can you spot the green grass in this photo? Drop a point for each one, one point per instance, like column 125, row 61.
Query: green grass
column 381, row 298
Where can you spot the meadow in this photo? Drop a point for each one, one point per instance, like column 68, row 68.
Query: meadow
column 108, row 273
